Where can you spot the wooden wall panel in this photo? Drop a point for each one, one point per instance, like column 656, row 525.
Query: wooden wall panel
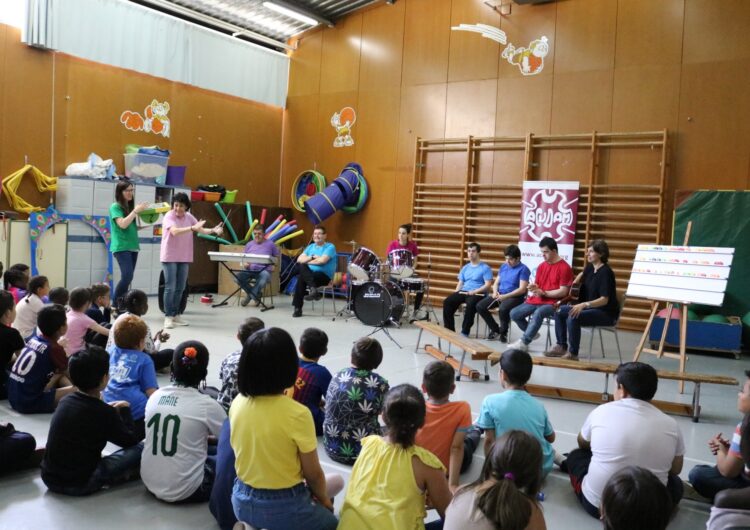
column 582, row 102
column 470, row 57
column 649, row 33
column 524, row 104
column 339, row 65
column 585, row 36
column 300, row 151
column 714, row 132
column 426, row 42
column 331, row 160
column 304, row 67
column 716, row 31
column 382, row 47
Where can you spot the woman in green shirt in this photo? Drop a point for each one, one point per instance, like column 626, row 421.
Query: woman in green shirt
column 124, row 245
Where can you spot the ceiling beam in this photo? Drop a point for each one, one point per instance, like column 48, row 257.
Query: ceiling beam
column 304, row 11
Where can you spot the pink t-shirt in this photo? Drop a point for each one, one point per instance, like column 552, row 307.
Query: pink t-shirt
column 411, row 246
column 177, row 248
column 78, row 324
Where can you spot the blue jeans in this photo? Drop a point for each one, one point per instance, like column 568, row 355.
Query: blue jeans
column 121, row 466
column 262, row 277
column 568, row 329
column 708, row 481
column 531, row 327
column 175, row 279
column 280, row 509
column 126, row 260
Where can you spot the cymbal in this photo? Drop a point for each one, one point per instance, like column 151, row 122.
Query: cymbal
column 352, row 242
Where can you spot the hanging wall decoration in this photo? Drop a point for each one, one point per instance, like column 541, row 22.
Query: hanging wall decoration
column 343, row 121
column 530, row 59
column 154, row 120
column 40, row 222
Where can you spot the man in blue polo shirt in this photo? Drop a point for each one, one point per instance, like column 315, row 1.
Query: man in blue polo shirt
column 508, row 291
column 317, row 265
column 474, row 280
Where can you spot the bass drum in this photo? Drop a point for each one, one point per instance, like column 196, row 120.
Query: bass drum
column 183, row 302
column 377, row 303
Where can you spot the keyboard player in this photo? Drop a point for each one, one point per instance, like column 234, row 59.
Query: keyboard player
column 259, row 246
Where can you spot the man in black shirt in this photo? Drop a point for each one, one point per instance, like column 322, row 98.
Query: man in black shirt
column 597, row 303
column 81, row 427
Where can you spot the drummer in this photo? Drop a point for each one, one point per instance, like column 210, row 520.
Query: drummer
column 405, row 242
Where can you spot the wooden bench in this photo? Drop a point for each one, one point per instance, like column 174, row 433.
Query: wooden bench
column 477, row 350
column 586, row 396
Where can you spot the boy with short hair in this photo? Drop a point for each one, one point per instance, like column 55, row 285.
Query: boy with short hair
column 228, row 370
column 516, row 409
column 312, row 378
column 99, row 311
column 132, row 376
column 38, row 379
column 447, row 431
column 80, row 428
column 59, row 295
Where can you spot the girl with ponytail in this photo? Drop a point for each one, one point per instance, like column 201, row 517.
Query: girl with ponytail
column 504, row 495
column 392, row 476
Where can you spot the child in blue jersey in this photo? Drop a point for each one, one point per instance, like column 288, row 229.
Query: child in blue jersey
column 132, row 376
column 312, row 379
column 516, row 409
column 38, row 379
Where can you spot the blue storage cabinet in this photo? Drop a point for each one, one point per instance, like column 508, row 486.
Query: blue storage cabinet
column 705, row 336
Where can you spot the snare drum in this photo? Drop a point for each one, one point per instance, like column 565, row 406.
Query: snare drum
column 402, row 263
column 377, row 303
column 363, row 265
column 411, row 285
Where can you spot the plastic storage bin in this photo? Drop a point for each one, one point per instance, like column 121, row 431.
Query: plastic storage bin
column 197, row 195
column 146, row 168
column 211, row 196
column 229, row 197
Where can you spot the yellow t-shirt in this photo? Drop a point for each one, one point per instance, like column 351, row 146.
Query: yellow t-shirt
column 382, row 492
column 267, row 435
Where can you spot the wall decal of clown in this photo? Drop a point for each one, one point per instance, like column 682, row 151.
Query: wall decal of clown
column 529, row 59
column 343, row 121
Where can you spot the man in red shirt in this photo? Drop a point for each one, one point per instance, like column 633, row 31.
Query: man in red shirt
column 552, row 282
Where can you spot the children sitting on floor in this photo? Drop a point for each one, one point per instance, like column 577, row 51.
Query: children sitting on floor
column 136, row 303
column 38, row 379
column 220, row 502
column 59, row 295
column 729, row 471
column 312, row 378
column 505, row 494
column 635, row 498
column 11, row 341
column 228, row 370
column 392, row 476
column 731, row 507
column 16, row 282
column 447, row 431
column 514, row 408
column 177, row 465
column 27, row 309
column 280, row 483
column 82, row 426
column 99, row 311
column 79, row 323
column 353, row 402
column 132, row 376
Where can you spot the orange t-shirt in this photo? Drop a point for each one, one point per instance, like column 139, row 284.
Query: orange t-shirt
column 440, row 425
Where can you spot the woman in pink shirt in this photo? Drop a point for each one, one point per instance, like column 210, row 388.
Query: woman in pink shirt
column 405, row 242
column 177, row 254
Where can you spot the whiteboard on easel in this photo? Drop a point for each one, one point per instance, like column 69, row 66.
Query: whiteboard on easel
column 693, row 275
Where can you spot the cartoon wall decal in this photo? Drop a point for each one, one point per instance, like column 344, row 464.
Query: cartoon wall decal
column 530, row 60
column 343, row 121
column 155, row 119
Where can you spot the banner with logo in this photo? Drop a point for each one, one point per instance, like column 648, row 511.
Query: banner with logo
column 548, row 208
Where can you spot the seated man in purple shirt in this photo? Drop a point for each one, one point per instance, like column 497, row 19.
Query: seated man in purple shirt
column 261, row 272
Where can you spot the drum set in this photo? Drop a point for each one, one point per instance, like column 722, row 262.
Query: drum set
column 380, row 289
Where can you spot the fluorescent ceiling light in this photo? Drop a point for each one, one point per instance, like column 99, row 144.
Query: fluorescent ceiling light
column 292, row 14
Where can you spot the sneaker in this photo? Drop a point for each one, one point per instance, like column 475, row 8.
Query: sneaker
column 558, row 458
column 179, row 321
column 297, row 312
column 494, row 335
column 557, row 351
column 168, row 322
column 689, row 493
column 518, row 345
column 246, row 300
column 503, row 337
column 570, row 356
column 255, row 303
column 313, row 294
column 464, row 334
